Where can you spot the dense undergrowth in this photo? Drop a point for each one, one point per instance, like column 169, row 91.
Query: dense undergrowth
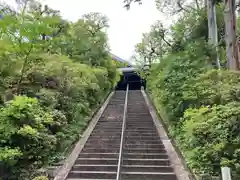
column 201, row 103
column 203, row 108
column 54, row 74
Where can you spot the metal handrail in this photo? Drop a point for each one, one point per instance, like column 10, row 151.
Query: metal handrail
column 122, row 135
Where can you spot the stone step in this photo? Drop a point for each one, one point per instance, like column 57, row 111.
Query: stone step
column 146, row 168
column 103, row 141
column 103, row 132
column 99, row 155
column 95, row 167
column 103, row 146
column 108, row 126
column 145, row 128
column 109, row 129
column 116, row 144
column 130, row 141
column 145, row 155
column 113, row 120
column 144, row 119
column 119, row 130
column 94, row 150
column 92, row 174
column 158, row 162
column 112, row 161
column 129, row 146
column 90, row 140
column 141, row 134
column 142, row 131
column 148, row 176
column 132, row 111
column 144, row 150
column 142, row 125
column 110, row 139
column 142, row 138
column 105, row 136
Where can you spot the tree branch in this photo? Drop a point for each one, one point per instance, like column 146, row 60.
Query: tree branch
column 24, row 68
column 129, row 2
column 197, row 4
column 181, row 7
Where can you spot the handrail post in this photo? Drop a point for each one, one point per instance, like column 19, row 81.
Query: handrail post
column 122, row 135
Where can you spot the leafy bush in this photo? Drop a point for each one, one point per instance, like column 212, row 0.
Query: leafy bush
column 213, row 87
column 63, row 95
column 203, row 109
column 202, row 105
column 210, row 137
column 24, row 129
column 172, row 75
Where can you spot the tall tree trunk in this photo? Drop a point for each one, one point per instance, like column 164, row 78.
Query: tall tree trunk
column 212, row 28
column 230, row 31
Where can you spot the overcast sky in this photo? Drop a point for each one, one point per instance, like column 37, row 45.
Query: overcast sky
column 126, row 27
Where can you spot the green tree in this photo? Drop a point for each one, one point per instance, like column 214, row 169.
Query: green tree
column 86, row 40
column 53, row 74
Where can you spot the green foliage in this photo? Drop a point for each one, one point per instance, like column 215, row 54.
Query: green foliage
column 210, row 137
column 54, row 73
column 213, row 87
column 41, row 178
column 203, row 111
column 211, row 124
column 172, row 74
column 194, row 25
column 24, row 128
column 9, row 156
column 85, row 41
column 120, row 64
column 191, row 26
column 201, row 103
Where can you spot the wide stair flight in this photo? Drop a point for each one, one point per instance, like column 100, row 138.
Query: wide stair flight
column 124, row 144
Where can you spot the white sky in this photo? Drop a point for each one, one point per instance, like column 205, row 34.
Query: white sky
column 126, row 27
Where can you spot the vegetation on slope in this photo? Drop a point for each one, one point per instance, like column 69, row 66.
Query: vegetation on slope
column 202, row 103
column 53, row 74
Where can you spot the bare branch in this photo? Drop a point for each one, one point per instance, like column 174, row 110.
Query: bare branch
column 127, row 3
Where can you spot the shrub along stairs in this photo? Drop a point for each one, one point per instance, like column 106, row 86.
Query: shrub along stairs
column 124, row 144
